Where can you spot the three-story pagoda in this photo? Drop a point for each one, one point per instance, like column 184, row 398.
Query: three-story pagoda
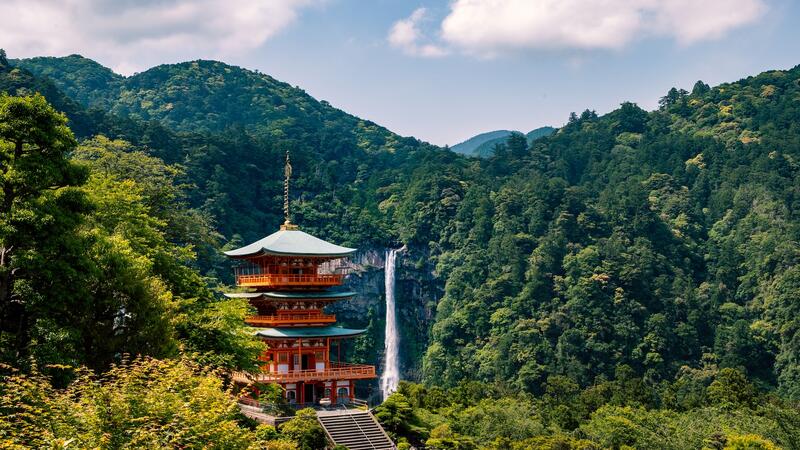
column 290, row 290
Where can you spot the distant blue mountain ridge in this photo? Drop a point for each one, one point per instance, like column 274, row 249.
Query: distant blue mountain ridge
column 482, row 145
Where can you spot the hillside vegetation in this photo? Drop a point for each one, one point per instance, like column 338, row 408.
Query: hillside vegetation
column 612, row 284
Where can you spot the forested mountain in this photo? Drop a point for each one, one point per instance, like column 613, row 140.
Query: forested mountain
column 654, row 240
column 662, row 163
column 227, row 126
column 483, row 145
column 209, row 96
column 616, row 281
column 539, row 132
column 469, row 146
column 82, row 79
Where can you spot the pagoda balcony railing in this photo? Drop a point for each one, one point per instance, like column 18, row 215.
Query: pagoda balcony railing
column 270, row 280
column 290, row 319
column 336, row 371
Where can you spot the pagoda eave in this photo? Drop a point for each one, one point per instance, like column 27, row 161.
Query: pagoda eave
column 307, row 332
column 290, row 254
column 297, row 295
column 291, row 242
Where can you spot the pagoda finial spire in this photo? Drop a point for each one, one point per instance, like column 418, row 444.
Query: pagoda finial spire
column 287, row 172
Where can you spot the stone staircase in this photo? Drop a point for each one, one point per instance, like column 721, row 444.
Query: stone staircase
column 355, row 429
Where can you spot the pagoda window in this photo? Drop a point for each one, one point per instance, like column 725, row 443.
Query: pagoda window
column 247, row 269
column 291, row 396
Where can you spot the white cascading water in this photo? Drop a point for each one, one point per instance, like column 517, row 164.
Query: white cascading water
column 391, row 365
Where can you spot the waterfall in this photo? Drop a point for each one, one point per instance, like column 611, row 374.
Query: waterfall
column 391, row 366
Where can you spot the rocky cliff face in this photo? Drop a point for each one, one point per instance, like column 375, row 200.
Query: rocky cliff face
column 417, row 291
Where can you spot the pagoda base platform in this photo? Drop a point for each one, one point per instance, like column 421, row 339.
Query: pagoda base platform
column 270, row 414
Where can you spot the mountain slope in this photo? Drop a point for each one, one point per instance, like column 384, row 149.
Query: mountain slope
column 82, row 79
column 469, row 146
column 229, row 125
column 487, row 148
column 634, row 241
column 84, row 121
column 210, row 97
column 539, row 132
column 18, row 81
column 483, row 144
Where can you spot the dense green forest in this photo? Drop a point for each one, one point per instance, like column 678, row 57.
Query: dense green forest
column 630, row 280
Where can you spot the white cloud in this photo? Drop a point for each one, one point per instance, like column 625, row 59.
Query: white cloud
column 132, row 35
column 486, row 28
column 690, row 21
column 407, row 36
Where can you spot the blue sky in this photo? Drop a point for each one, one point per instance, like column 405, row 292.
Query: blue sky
column 441, row 71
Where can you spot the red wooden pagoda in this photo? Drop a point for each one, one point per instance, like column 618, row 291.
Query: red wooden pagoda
column 284, row 271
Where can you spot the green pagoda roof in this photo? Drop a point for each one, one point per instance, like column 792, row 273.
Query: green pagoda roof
column 290, row 242
column 293, row 295
column 307, row 332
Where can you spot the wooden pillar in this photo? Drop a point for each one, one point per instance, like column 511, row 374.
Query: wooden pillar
column 301, row 392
